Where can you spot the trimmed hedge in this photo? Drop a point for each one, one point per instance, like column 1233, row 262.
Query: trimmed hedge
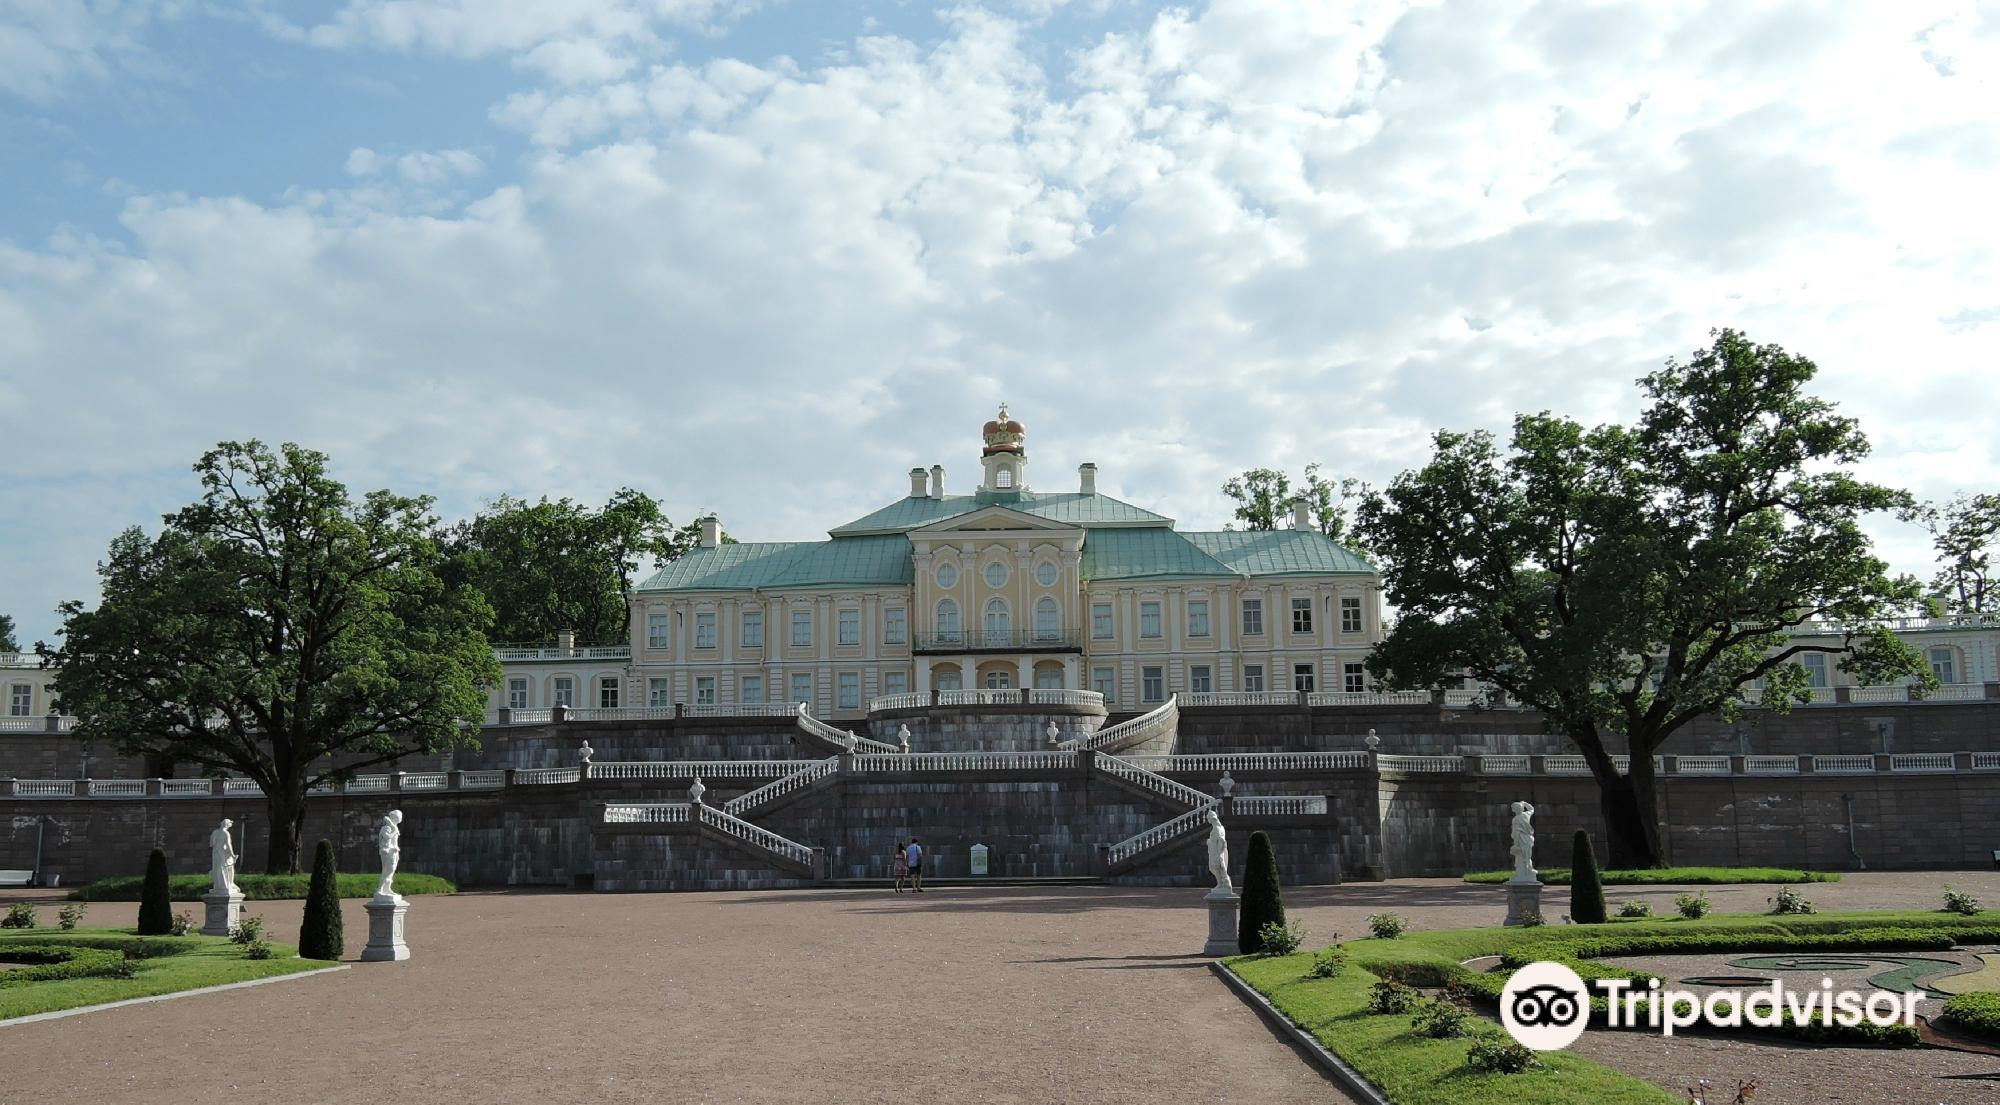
column 260, row 888
column 156, row 911
column 1586, row 891
column 1263, row 895
column 60, row 961
column 1978, row 1014
column 320, row 931
column 1668, row 876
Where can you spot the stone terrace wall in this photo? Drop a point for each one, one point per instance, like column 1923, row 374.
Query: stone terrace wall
column 969, row 729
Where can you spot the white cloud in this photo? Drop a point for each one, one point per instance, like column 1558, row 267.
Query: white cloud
column 1248, row 233
column 47, row 47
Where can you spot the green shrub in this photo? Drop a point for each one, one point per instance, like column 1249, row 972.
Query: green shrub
column 1958, row 901
column 70, row 916
column 1277, row 939
column 1978, row 1014
column 1327, row 962
column 1263, row 895
column 1387, row 926
column 53, row 962
column 1499, row 1055
column 260, row 888
column 1666, row 876
column 1791, row 901
column 1440, row 1019
column 1389, row 996
column 257, row 949
column 1635, row 909
column 182, row 924
column 1586, row 890
column 1693, row 906
column 1531, row 921
column 154, row 909
column 321, row 935
column 249, row 930
column 20, row 915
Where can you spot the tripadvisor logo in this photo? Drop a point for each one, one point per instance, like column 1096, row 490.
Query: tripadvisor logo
column 1545, row 1006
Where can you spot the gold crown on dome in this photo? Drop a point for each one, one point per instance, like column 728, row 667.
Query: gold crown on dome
column 1004, row 430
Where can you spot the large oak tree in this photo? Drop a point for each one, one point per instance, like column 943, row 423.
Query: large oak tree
column 274, row 629
column 1627, row 580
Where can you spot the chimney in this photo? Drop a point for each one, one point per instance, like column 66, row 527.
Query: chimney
column 937, row 481
column 1086, row 478
column 711, row 531
column 1301, row 514
column 916, row 483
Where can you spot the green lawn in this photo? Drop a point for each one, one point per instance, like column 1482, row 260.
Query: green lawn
column 1414, row 1070
column 169, row 964
column 1648, row 876
column 257, row 888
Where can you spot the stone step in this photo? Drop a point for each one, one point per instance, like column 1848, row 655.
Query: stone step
column 967, row 880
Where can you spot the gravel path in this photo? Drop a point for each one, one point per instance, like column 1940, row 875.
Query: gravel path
column 1069, row 994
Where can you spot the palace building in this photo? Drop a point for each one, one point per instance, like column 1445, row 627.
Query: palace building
column 1007, row 587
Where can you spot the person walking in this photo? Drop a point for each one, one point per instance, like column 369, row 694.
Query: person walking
column 902, row 866
column 914, row 856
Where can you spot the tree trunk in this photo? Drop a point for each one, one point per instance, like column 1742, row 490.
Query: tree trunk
column 287, row 812
column 1631, row 823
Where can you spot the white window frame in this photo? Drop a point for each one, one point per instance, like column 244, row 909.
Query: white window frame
column 656, row 630
column 1302, row 615
column 999, row 679
column 996, row 623
column 1048, row 619
column 1152, row 684
column 945, row 621
column 1105, row 682
column 950, row 679
column 802, row 628
column 704, row 690
column 1149, row 615
column 1253, row 617
column 847, row 626
column 704, row 629
column 562, row 691
column 847, row 690
column 1354, row 678
column 659, row 693
column 608, row 692
column 753, row 629
column 1350, row 614
column 1818, row 673
column 1102, row 628
column 1253, row 678
column 1054, row 573
column 996, row 574
column 1945, row 669
column 801, row 694
column 750, row 690
column 1197, row 617
column 895, row 682
column 1048, row 679
column 517, row 693
column 1304, row 678
column 1201, row 679
column 895, row 625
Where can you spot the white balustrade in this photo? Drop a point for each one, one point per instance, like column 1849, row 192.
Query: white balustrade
column 839, row 737
column 738, row 709
column 1922, row 762
column 910, row 700
column 1886, row 692
column 1771, row 765
column 899, row 764
column 368, row 783
column 64, row 723
column 1942, row 621
column 1279, row 805
column 797, row 780
column 1204, row 699
column 1063, row 696
column 689, row 769
column 425, row 780
column 1958, row 692
column 1150, row 780
column 1194, row 820
column 1565, row 765
column 762, row 838
column 118, row 788
column 241, row 786
column 979, row 698
column 648, row 813
column 1701, row 765
column 1986, row 761
column 1369, row 698
column 186, row 788
column 540, row 715
column 1505, row 765
column 543, row 776
column 1162, row 718
column 620, row 713
column 45, row 788
column 1240, row 762
column 482, row 779
column 1843, row 765
column 592, row 652
column 1421, row 763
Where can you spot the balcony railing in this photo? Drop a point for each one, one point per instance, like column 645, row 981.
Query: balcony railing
column 552, row 652
column 1013, row 640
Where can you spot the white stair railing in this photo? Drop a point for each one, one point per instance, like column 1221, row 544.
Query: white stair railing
column 1151, row 781
column 797, row 780
column 1194, row 820
column 752, row 834
column 839, row 738
column 1163, row 718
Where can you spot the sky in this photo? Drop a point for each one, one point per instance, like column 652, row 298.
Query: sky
column 763, row 256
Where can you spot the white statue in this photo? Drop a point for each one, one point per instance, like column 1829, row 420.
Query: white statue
column 388, row 841
column 1218, row 853
column 1372, row 741
column 584, row 754
column 903, row 738
column 1523, row 833
column 1227, row 783
column 222, row 861
column 1055, row 735
column 696, row 790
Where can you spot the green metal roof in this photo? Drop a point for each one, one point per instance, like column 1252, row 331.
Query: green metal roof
column 842, row 562
column 1278, row 552
column 1146, row 553
column 1070, row 509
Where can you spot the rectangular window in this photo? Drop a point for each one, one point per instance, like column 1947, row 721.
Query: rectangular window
column 751, row 690
column 1048, row 679
column 802, row 687
column 704, row 630
column 1302, row 678
column 517, row 694
column 1302, row 615
column 1100, row 621
column 1350, row 615
column 1253, row 677
column 21, row 700
column 1105, row 682
column 704, row 690
column 895, row 626
column 1152, row 684
column 802, row 628
column 656, row 631
column 1815, row 664
column 1354, row 678
column 1944, row 665
column 659, row 693
column 895, row 682
column 1149, row 619
column 1198, row 619
column 565, row 692
column 847, row 627
column 607, row 693
column 850, row 690
column 753, row 629
column 1199, row 681
column 1253, row 617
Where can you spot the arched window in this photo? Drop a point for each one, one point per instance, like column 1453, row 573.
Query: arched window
column 946, row 623
column 1003, row 478
column 997, row 629
column 1048, row 620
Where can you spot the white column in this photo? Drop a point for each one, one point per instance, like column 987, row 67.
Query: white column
column 1071, row 678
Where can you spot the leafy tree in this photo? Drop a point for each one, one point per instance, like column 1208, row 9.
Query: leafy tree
column 1264, row 497
column 274, row 625
column 554, row 567
column 1263, row 895
column 1329, row 501
column 7, row 641
column 320, row 932
column 1586, row 887
column 1629, row 580
column 1965, row 531
column 156, row 908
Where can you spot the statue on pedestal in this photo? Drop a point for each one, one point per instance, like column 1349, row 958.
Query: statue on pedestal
column 696, row 790
column 584, row 754
column 222, row 860
column 1055, row 736
column 1218, row 853
column 903, row 739
column 1523, row 834
column 388, row 842
column 1227, row 784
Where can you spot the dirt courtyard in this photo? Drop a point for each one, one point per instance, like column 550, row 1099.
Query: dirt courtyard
column 993, row 994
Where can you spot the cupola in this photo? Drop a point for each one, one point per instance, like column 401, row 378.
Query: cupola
column 1005, row 456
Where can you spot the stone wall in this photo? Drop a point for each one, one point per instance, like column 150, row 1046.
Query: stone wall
column 977, row 729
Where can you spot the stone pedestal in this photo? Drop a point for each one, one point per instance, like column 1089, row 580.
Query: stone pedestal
column 1222, row 903
column 1524, row 900
column 385, row 930
column 223, row 910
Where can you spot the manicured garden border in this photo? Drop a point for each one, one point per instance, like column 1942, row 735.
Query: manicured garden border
column 160, row 965
column 1669, row 876
column 259, row 888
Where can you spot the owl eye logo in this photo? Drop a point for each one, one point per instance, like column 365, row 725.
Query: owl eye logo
column 1545, row 1006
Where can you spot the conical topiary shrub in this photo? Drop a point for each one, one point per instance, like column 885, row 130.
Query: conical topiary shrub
column 1586, row 889
column 1263, row 897
column 320, row 935
column 156, row 907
